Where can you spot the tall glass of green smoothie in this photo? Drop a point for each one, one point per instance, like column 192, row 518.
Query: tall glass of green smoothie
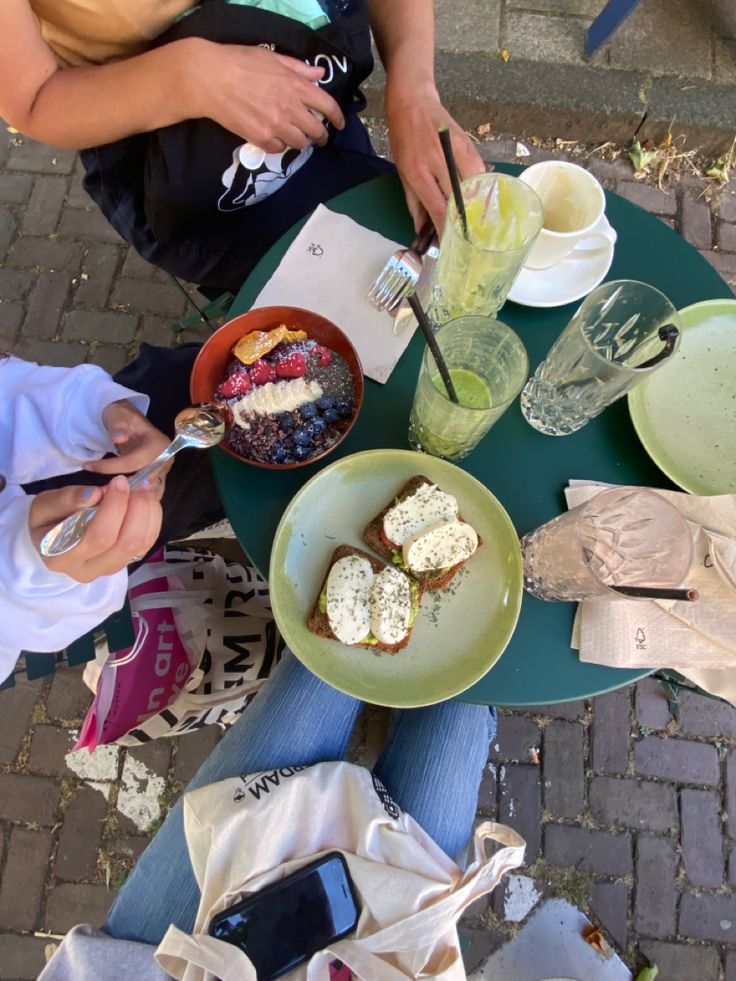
column 474, row 273
column 488, row 366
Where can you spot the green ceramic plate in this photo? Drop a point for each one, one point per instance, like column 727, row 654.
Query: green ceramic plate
column 458, row 634
column 685, row 413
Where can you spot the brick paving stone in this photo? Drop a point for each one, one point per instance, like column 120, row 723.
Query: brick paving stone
column 648, row 197
column 44, row 206
column 15, row 188
column 21, row 889
column 87, row 223
column 699, row 715
column 17, row 709
column 731, row 791
column 111, row 357
column 732, row 865
column 677, row 759
column 563, row 762
column 726, row 206
column 642, row 805
column 39, row 158
column 99, row 265
column 110, row 327
column 701, row 837
column 478, row 944
column 696, row 222
column 80, row 836
column 609, row 903
column 128, row 846
column 155, row 755
column 22, row 957
column 520, row 804
column 487, row 792
column 45, row 253
column 140, row 295
column 8, row 226
column 726, row 236
column 63, row 354
column 69, row 698
column 45, row 305
column 559, row 710
column 194, row 748
column 652, row 707
column 515, row 737
column 158, row 330
column 655, row 903
column 12, row 315
column 15, row 283
column 588, row 849
column 137, row 267
column 724, row 263
column 72, row 902
column 707, row 916
column 682, row 962
column 731, row 966
column 610, row 732
column 24, row 797
column 49, row 746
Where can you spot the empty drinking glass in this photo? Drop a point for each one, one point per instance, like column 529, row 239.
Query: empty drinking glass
column 625, row 536
column 622, row 331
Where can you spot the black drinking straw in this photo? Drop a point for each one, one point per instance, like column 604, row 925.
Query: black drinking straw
column 454, row 176
column 653, row 592
column 669, row 334
column 421, row 316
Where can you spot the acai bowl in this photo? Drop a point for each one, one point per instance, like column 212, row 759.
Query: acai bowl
column 290, row 380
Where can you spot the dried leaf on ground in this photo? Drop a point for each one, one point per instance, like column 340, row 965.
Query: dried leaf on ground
column 593, row 936
column 484, row 129
column 504, row 55
column 534, row 755
column 648, row 973
column 720, row 169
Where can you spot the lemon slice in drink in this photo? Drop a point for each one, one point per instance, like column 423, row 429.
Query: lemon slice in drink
column 472, row 391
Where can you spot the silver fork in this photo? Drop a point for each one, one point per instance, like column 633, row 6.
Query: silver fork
column 401, row 272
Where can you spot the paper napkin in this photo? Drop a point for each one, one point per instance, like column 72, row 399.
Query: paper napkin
column 666, row 633
column 330, row 268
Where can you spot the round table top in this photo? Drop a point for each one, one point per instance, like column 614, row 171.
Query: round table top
column 526, row 470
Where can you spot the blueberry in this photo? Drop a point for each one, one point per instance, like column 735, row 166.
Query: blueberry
column 317, row 426
column 286, row 423
column 309, row 410
column 344, row 406
column 324, row 402
column 301, row 438
column 330, row 415
column 278, row 453
column 302, row 452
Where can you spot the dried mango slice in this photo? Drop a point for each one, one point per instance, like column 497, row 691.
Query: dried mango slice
column 253, row 346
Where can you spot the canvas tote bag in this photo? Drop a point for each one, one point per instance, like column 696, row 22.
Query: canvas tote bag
column 246, row 832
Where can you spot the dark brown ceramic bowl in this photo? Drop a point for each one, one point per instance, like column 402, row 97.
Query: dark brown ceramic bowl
column 211, row 361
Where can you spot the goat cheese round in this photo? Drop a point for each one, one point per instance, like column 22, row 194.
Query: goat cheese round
column 423, row 508
column 439, row 546
column 349, row 598
column 390, row 606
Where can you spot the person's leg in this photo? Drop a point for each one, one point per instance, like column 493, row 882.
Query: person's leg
column 296, row 719
column 432, row 765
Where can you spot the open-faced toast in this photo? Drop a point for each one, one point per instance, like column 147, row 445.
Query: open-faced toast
column 374, row 536
column 319, row 621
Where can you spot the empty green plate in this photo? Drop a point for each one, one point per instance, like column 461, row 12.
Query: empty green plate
column 459, row 633
column 685, row 413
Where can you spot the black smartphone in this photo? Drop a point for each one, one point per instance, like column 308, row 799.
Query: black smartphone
column 281, row 926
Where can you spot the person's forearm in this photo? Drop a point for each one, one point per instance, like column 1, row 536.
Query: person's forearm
column 87, row 106
column 404, row 35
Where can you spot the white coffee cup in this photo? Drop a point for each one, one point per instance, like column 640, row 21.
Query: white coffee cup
column 574, row 205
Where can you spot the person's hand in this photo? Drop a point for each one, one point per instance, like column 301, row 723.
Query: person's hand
column 269, row 99
column 137, row 442
column 414, row 118
column 125, row 527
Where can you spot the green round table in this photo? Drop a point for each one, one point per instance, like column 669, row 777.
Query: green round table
column 526, row 470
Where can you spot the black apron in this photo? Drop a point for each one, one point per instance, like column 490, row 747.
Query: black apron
column 178, row 194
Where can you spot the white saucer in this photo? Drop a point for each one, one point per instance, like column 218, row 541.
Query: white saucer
column 569, row 280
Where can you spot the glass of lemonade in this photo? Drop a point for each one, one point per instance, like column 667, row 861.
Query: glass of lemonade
column 474, row 274
column 488, row 365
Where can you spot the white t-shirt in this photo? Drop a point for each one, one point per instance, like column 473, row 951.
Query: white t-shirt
column 51, row 423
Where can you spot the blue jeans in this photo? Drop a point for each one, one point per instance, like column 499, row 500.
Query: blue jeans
column 431, row 764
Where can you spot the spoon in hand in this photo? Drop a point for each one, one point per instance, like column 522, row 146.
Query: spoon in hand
column 198, row 426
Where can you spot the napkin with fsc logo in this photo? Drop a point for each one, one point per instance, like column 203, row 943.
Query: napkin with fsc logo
column 689, row 637
column 329, row 268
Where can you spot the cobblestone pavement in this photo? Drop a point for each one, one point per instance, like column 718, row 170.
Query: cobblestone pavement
column 627, row 812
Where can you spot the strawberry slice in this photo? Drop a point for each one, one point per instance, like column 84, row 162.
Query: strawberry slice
column 292, row 366
column 387, row 541
column 236, row 385
column 261, row 372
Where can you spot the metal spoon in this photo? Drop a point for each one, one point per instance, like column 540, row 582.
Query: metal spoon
column 198, row 426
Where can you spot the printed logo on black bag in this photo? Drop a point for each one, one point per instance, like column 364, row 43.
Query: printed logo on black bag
column 389, row 805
